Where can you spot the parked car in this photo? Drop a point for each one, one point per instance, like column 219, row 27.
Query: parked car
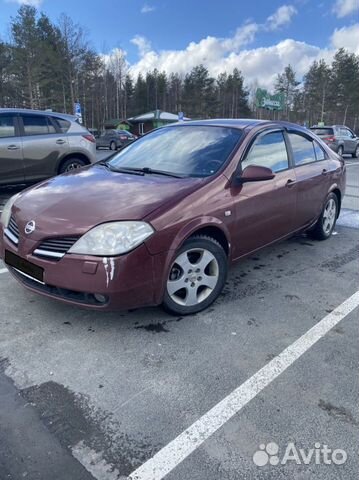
column 339, row 138
column 35, row 145
column 114, row 139
column 161, row 221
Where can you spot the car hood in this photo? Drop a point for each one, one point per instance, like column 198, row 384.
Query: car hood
column 73, row 203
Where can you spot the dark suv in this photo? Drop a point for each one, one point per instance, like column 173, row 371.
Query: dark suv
column 339, row 138
column 35, row 145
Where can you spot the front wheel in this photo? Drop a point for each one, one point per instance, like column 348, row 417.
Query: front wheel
column 196, row 277
column 72, row 164
column 113, row 146
column 356, row 153
column 326, row 222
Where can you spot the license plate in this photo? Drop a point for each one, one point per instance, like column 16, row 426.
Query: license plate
column 24, row 266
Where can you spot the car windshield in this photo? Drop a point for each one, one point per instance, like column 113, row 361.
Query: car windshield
column 191, row 150
column 322, row 131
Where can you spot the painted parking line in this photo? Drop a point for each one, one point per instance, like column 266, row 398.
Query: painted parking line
column 3, row 270
column 188, row 441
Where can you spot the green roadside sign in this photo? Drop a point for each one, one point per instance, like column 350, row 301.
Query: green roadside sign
column 271, row 102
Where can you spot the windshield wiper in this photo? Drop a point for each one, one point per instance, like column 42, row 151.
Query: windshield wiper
column 139, row 171
column 153, row 171
column 121, row 169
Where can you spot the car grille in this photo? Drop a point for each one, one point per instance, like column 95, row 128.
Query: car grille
column 12, row 231
column 55, row 248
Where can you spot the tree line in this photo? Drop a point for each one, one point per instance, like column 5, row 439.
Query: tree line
column 47, row 65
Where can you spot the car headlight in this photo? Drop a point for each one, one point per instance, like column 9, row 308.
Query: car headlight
column 113, row 238
column 6, row 213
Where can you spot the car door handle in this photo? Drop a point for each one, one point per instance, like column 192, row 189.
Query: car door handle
column 13, row 147
column 325, row 171
column 60, row 141
column 290, row 183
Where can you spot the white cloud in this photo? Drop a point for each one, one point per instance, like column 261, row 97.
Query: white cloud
column 243, row 36
column 283, row 16
column 143, row 45
column 346, row 37
column 262, row 64
column 342, row 8
column 147, row 8
column 34, row 3
column 257, row 64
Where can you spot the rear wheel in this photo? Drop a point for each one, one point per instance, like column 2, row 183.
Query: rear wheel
column 196, row 277
column 72, row 164
column 326, row 222
column 356, row 153
column 113, row 146
column 340, row 150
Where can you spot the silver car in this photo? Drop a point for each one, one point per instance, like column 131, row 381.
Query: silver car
column 35, row 145
column 339, row 138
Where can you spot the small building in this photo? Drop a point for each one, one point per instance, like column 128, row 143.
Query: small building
column 145, row 122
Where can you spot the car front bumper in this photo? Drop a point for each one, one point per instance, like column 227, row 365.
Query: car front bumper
column 128, row 281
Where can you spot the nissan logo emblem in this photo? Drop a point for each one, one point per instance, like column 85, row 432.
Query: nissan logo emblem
column 30, row 227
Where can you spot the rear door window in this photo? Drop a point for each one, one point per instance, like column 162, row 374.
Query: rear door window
column 303, row 149
column 37, row 125
column 268, row 150
column 7, row 126
column 62, row 125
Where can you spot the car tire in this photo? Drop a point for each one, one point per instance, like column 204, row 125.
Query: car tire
column 196, row 277
column 324, row 227
column 113, row 146
column 71, row 164
column 356, row 153
column 340, row 150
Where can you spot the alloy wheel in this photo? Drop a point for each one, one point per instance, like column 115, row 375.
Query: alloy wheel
column 73, row 166
column 329, row 216
column 193, row 277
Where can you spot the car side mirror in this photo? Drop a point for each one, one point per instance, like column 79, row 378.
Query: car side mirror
column 255, row 173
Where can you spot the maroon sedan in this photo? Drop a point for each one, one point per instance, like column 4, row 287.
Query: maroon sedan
column 161, row 221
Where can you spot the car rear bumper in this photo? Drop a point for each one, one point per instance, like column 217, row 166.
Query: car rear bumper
column 125, row 282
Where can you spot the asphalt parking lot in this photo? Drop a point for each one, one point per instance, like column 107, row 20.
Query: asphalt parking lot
column 143, row 395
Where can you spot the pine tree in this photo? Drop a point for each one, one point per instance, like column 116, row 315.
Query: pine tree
column 199, row 93
column 287, row 85
column 25, row 48
column 344, row 87
column 316, row 91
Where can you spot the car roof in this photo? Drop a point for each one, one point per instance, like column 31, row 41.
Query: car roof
column 222, row 122
column 65, row 116
column 241, row 123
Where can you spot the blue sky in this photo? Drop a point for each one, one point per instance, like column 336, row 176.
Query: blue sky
column 223, row 33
